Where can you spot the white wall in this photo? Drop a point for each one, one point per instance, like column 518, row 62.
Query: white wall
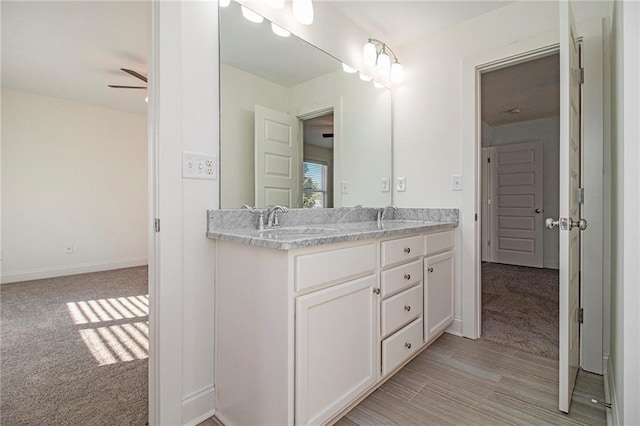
column 72, row 173
column 184, row 111
column 547, row 131
column 624, row 368
column 362, row 142
column 240, row 91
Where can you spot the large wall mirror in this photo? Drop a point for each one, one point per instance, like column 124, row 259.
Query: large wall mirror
column 295, row 129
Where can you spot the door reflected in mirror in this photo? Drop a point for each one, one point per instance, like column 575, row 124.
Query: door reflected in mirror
column 295, row 129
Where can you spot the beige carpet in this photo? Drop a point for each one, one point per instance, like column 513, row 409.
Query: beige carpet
column 74, row 350
column 520, row 308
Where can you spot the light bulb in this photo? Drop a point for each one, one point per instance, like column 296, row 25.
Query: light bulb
column 397, row 73
column 384, row 63
column 377, row 85
column 250, row 15
column 346, row 68
column 303, row 11
column 369, row 54
column 146, row 99
column 279, row 30
column 224, row 3
column 276, row 4
column 364, row 77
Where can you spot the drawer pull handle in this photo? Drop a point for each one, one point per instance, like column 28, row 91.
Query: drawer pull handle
column 407, row 308
column 407, row 345
column 407, row 250
column 430, row 269
column 376, row 290
column 407, row 276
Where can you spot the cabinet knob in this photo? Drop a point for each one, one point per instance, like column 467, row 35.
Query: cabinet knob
column 430, row 269
column 376, row 290
column 407, row 276
column 407, row 250
column 407, row 308
column 407, row 345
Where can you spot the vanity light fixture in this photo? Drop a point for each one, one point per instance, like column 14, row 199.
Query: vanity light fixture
column 346, row 68
column 303, row 11
column 279, row 30
column 375, row 54
column 364, row 77
column 224, row 3
column 251, row 16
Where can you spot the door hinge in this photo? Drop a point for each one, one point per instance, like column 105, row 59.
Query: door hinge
column 580, row 75
column 476, row 217
column 488, row 159
column 580, row 195
column 489, row 243
column 581, row 315
column 156, row 225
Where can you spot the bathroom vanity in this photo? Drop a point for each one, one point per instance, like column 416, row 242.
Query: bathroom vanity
column 312, row 318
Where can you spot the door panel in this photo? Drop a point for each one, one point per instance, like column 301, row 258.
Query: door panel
column 277, row 158
column 569, row 207
column 516, row 228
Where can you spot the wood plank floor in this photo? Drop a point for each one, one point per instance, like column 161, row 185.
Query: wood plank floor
column 458, row 381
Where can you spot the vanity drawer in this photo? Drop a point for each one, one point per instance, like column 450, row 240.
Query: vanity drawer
column 400, row 277
column 440, row 241
column 401, row 309
column 334, row 265
column 401, row 345
column 401, row 250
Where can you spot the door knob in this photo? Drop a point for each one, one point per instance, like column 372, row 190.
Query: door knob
column 582, row 224
column 566, row 224
column 538, row 210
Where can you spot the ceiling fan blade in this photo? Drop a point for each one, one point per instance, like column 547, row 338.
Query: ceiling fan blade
column 126, row 87
column 135, row 74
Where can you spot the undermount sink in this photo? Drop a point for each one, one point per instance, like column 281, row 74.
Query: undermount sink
column 294, row 232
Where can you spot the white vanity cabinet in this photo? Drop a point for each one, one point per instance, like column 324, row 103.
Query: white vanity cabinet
column 438, row 284
column 303, row 334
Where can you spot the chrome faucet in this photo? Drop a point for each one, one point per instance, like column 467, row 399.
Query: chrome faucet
column 383, row 211
column 272, row 216
column 257, row 212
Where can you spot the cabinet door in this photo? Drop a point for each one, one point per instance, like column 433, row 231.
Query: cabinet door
column 438, row 294
column 335, row 348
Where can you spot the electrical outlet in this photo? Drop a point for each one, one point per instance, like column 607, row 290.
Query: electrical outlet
column 384, row 185
column 344, row 188
column 402, row 184
column 456, row 182
column 199, row 166
column 68, row 248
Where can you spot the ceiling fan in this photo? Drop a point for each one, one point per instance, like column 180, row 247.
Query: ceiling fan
column 136, row 75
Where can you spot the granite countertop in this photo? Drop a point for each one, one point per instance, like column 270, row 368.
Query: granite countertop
column 327, row 227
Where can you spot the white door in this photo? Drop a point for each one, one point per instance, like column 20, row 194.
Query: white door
column 336, row 331
column 277, row 158
column 516, row 204
column 569, row 345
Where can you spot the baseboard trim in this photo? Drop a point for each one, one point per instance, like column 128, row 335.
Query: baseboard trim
column 613, row 418
column 456, row 327
column 62, row 271
column 198, row 406
column 551, row 264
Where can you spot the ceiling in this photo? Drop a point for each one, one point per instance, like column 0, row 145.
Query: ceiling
column 315, row 128
column 74, row 49
column 532, row 88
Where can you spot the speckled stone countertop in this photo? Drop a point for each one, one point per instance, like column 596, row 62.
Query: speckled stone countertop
column 307, row 228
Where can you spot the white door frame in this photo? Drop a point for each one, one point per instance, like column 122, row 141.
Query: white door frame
column 512, row 54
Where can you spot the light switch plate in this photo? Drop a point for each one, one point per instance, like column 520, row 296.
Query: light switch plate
column 456, row 182
column 344, row 187
column 384, row 184
column 196, row 165
column 402, row 184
